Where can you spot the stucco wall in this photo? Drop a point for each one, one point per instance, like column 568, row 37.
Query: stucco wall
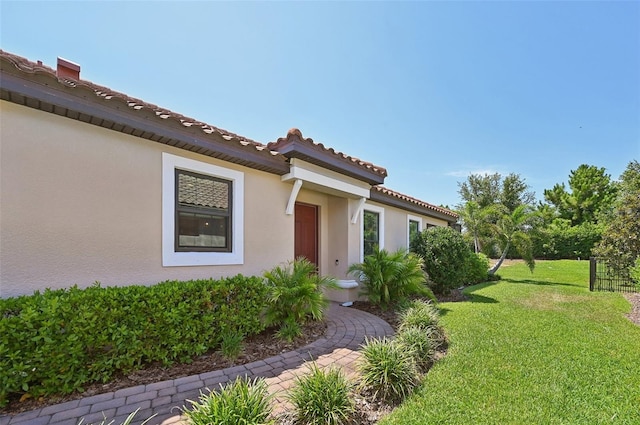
column 79, row 203
column 396, row 225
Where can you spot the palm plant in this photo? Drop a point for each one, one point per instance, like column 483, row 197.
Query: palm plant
column 513, row 229
column 295, row 293
column 388, row 277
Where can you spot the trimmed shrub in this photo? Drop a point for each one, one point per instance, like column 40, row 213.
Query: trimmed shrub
column 445, row 254
column 562, row 241
column 55, row 342
column 240, row 402
column 476, row 268
column 387, row 370
column 322, row 397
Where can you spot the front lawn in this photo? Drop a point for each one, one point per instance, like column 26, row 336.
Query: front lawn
column 533, row 349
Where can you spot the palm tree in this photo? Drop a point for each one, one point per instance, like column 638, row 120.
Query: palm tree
column 474, row 219
column 513, row 230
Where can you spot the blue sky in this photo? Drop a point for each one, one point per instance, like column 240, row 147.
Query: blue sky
column 432, row 91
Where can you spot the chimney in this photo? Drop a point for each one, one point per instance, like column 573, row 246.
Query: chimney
column 68, row 69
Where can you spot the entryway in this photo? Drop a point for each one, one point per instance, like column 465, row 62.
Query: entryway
column 306, row 232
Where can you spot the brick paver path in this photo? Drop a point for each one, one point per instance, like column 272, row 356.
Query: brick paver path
column 346, row 331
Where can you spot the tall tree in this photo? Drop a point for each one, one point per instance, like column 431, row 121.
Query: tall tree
column 491, row 189
column 484, row 190
column 515, row 192
column 591, row 193
column 620, row 243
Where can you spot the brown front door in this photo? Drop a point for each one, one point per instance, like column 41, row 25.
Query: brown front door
column 306, row 232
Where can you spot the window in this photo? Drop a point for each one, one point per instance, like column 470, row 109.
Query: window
column 372, row 229
column 414, row 229
column 371, row 232
column 202, row 213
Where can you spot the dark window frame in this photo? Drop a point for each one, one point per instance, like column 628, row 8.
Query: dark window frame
column 213, row 212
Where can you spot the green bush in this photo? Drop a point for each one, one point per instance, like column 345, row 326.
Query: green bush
column 476, row 268
column 391, row 277
column 634, row 272
column 387, row 370
column 240, row 402
column 295, row 293
column 322, row 397
column 57, row 341
column 560, row 240
column 445, row 254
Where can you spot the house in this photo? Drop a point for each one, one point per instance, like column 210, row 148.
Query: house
column 98, row 186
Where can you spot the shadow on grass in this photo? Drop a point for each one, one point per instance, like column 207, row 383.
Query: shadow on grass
column 473, row 298
column 542, row 283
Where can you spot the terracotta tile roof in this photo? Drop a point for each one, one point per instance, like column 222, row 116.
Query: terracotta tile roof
column 393, row 194
column 294, row 133
column 293, row 145
column 39, row 69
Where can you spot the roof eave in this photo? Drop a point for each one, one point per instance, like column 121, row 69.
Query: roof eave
column 115, row 114
column 294, row 146
column 407, row 205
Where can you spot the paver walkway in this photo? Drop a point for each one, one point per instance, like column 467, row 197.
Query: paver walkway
column 346, row 331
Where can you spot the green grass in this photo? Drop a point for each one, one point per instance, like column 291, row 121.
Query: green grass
column 533, row 349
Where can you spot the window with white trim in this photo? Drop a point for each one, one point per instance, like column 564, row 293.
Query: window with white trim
column 414, row 228
column 372, row 229
column 202, row 213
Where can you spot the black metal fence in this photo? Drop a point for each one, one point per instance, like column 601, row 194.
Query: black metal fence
column 604, row 278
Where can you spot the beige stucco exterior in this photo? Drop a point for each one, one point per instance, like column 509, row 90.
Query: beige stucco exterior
column 79, row 204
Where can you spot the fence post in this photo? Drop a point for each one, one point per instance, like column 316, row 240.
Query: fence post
column 592, row 273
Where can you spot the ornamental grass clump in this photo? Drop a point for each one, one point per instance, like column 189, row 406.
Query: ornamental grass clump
column 420, row 344
column 426, row 317
column 322, row 397
column 231, row 345
column 388, row 370
column 420, row 314
column 240, row 402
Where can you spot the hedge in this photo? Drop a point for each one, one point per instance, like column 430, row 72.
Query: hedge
column 57, row 341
